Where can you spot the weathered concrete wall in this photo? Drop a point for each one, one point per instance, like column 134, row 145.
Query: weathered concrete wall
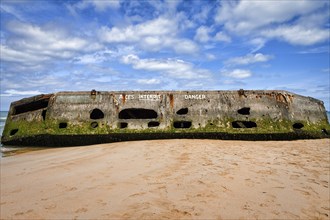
column 129, row 112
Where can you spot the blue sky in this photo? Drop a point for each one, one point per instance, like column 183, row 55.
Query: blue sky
column 51, row 46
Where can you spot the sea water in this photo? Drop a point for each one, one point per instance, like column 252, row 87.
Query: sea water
column 3, row 117
column 11, row 150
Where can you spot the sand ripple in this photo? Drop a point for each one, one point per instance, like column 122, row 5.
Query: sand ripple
column 170, row 179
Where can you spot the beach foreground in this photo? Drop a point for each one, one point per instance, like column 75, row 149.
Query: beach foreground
column 171, row 179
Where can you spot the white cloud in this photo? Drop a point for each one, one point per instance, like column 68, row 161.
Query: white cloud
column 248, row 59
column 151, row 35
column 246, row 16
column 202, row 34
column 9, row 54
column 102, row 79
column 315, row 50
column 149, row 81
column 297, row 34
column 232, row 82
column 31, row 36
column 156, row 65
column 296, row 22
column 14, row 92
column 170, row 67
column 31, row 44
column 257, row 44
column 89, row 59
column 97, row 57
column 133, row 33
column 98, row 5
column 237, row 73
column 203, row 14
column 221, row 36
column 12, row 10
column 47, row 81
column 104, row 5
column 183, row 46
column 210, row 56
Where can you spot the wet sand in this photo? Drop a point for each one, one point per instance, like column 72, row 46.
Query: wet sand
column 170, row 179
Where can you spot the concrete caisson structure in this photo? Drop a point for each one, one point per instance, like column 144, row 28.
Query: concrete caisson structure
column 78, row 118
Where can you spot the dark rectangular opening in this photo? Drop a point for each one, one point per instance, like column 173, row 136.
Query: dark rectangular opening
column 297, row 125
column 182, row 124
column 182, row 111
column 94, row 124
column 152, row 124
column 243, row 124
column 43, row 114
column 13, row 132
column 137, row 113
column 123, row 125
column 63, row 125
column 96, row 114
column 244, row 111
column 31, row 106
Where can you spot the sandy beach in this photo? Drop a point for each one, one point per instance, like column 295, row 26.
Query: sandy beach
column 170, row 179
